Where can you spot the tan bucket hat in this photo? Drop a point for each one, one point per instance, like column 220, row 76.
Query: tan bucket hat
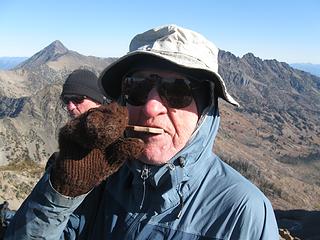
column 169, row 44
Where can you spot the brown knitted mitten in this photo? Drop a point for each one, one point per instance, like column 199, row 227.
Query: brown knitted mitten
column 92, row 148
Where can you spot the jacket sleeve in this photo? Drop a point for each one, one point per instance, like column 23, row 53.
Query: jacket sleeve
column 270, row 227
column 45, row 214
column 257, row 221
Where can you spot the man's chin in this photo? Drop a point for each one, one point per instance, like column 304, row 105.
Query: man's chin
column 153, row 160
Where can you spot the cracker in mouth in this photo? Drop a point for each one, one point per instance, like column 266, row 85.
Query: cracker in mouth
column 145, row 129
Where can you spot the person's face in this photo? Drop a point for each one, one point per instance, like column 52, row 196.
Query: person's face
column 80, row 105
column 178, row 124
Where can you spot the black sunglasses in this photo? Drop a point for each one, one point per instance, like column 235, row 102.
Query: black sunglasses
column 177, row 92
column 75, row 99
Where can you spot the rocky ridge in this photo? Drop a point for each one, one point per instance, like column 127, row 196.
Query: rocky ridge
column 275, row 131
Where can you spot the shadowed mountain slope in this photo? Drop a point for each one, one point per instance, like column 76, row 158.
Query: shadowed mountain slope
column 274, row 137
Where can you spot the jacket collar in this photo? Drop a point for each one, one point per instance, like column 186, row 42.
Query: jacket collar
column 189, row 162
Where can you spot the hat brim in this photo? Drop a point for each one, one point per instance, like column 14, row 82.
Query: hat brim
column 111, row 77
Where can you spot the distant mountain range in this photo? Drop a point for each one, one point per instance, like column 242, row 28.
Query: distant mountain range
column 7, row 63
column 10, row 62
column 273, row 138
column 307, row 67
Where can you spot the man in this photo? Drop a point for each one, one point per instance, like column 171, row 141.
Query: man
column 81, row 92
column 177, row 189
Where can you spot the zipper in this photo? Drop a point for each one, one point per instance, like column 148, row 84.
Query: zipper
column 144, row 175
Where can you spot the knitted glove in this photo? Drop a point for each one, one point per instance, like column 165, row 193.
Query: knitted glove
column 92, row 148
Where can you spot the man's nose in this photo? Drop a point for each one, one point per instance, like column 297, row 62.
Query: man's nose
column 154, row 105
column 70, row 105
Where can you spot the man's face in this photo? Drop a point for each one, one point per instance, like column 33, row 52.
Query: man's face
column 178, row 123
column 78, row 105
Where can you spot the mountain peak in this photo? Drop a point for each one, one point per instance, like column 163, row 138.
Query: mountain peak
column 56, row 47
column 49, row 53
column 250, row 57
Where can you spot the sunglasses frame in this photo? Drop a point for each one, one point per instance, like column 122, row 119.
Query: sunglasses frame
column 75, row 99
column 173, row 100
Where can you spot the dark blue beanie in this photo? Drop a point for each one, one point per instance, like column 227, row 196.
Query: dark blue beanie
column 83, row 82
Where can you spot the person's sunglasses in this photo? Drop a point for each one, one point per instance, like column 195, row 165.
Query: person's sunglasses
column 177, row 92
column 75, row 99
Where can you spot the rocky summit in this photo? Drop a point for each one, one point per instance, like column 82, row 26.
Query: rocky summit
column 273, row 138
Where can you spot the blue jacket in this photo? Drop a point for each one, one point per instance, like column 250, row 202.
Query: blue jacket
column 194, row 196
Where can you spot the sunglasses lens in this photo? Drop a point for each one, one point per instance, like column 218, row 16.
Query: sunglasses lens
column 77, row 99
column 73, row 99
column 136, row 90
column 176, row 92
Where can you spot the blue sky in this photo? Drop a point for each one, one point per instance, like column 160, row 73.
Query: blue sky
column 285, row 30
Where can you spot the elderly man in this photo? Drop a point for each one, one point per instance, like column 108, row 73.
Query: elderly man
column 177, row 188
